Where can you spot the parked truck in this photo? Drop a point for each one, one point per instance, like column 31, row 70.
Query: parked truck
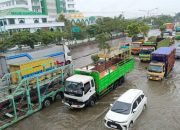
column 30, row 94
column 162, row 62
column 94, row 81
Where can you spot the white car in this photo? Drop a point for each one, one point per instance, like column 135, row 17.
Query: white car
column 126, row 109
column 177, row 46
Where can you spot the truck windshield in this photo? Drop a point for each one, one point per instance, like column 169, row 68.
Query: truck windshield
column 135, row 45
column 74, row 88
column 166, row 34
column 121, row 107
column 155, row 68
column 146, row 51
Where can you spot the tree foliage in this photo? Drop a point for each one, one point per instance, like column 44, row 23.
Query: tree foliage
column 102, row 41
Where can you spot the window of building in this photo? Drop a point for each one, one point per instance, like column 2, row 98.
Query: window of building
column 70, row 6
column 5, row 23
column 44, row 20
column 21, row 21
column 11, row 21
column 36, row 20
column 1, row 23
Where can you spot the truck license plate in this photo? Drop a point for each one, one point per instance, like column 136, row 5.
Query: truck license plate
column 113, row 126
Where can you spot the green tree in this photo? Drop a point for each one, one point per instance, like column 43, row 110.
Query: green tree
column 102, row 43
column 133, row 29
column 144, row 29
column 46, row 37
column 58, row 36
column 24, row 38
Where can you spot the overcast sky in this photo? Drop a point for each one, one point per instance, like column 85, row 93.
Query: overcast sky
column 130, row 8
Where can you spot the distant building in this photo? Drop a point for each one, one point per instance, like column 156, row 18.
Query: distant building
column 69, row 6
column 78, row 17
column 17, row 15
column 52, row 8
column 18, row 19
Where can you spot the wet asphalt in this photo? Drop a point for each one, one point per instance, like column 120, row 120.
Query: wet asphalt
column 162, row 111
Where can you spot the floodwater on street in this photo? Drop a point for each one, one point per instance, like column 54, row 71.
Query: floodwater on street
column 162, row 111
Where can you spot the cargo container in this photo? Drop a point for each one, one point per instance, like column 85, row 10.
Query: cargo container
column 31, row 68
column 60, row 53
column 94, row 81
column 162, row 62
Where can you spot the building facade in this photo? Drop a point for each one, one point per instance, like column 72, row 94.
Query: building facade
column 78, row 17
column 29, row 22
column 52, row 8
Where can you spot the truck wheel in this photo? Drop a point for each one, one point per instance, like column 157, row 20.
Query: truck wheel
column 46, row 102
column 92, row 102
column 121, row 80
column 59, row 96
column 116, row 84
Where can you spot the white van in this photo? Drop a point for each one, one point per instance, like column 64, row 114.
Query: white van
column 126, row 110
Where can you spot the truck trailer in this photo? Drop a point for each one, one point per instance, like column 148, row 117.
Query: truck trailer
column 94, row 81
column 30, row 94
column 162, row 62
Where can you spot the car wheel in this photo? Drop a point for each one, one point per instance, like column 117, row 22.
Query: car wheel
column 131, row 124
column 144, row 107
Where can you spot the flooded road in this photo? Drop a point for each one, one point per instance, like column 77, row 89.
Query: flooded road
column 162, row 111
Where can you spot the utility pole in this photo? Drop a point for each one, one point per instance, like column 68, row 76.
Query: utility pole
column 148, row 11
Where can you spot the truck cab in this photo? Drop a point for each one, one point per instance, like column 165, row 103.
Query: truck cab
column 79, row 91
column 135, row 47
column 156, row 71
column 145, row 53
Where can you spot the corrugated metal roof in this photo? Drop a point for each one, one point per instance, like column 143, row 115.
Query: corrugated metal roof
column 163, row 50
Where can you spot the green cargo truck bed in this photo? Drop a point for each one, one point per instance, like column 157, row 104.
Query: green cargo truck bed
column 113, row 73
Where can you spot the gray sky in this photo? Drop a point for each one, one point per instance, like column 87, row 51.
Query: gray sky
column 130, row 8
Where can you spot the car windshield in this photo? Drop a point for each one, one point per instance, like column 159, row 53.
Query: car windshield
column 121, row 107
column 177, row 50
column 155, row 68
column 73, row 87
